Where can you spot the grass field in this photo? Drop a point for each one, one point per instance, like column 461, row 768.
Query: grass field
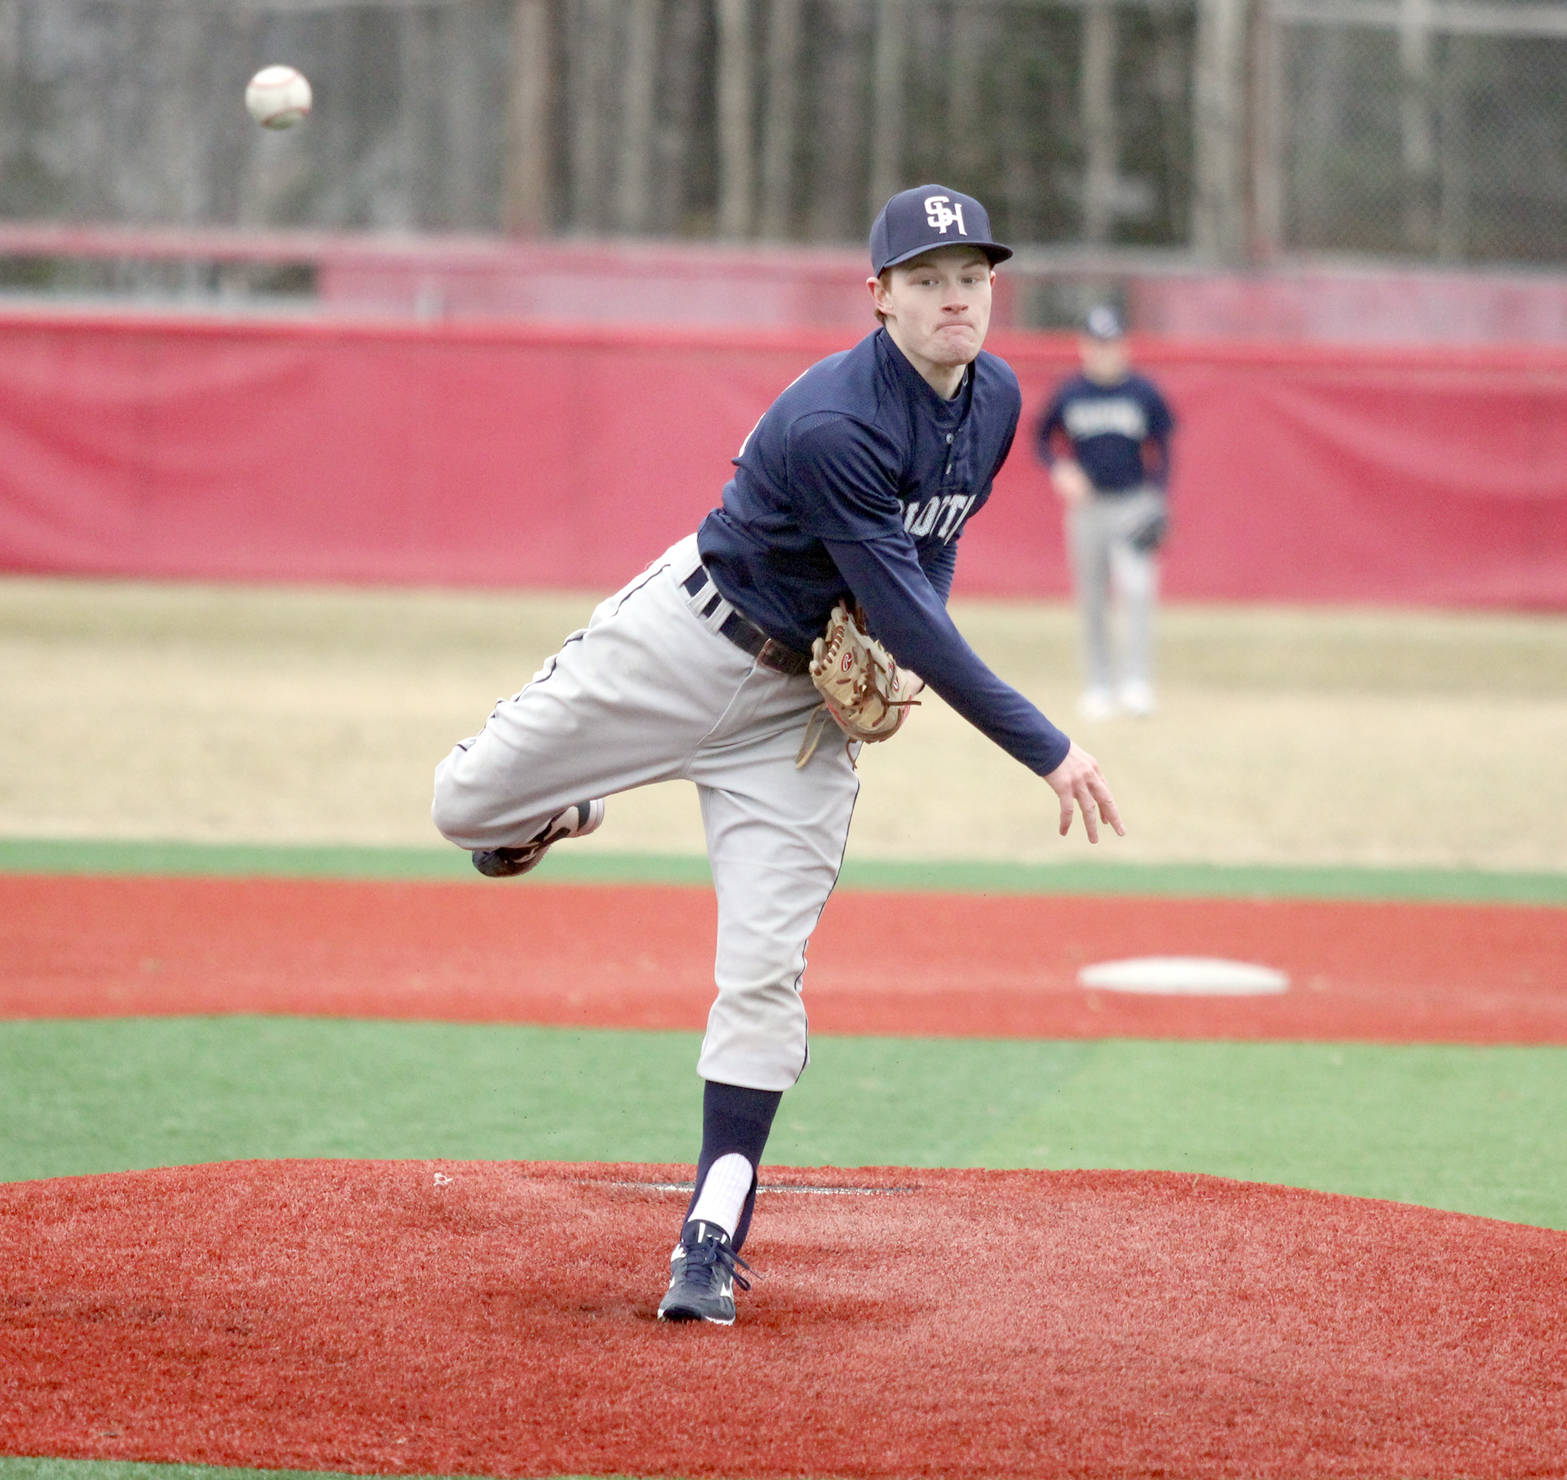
column 1476, row 1130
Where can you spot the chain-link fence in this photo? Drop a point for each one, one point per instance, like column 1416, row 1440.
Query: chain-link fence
column 1431, row 129
column 1221, row 132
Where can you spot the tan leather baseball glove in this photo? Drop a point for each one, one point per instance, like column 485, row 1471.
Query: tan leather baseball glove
column 860, row 683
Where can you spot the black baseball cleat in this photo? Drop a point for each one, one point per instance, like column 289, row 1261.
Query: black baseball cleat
column 703, row 1274
column 575, row 821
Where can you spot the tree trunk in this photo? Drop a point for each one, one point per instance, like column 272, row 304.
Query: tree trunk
column 971, row 44
column 529, row 168
column 634, row 178
column 1015, row 110
column 1456, row 179
column 780, row 121
column 469, row 193
column 415, row 202
column 1097, row 112
column 686, row 191
column 736, row 175
column 589, row 61
column 1266, row 230
column 888, row 86
column 1417, row 125
column 1219, row 132
column 838, row 188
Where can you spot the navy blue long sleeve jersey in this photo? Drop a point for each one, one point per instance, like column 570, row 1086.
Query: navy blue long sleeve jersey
column 1119, row 434
column 859, row 480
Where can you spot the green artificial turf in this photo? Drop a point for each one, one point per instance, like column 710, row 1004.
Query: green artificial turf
column 594, row 866
column 1471, row 1129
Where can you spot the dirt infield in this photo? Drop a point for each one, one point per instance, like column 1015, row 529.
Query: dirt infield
column 539, row 954
column 480, row 1318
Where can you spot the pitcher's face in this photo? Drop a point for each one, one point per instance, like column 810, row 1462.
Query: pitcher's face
column 937, row 306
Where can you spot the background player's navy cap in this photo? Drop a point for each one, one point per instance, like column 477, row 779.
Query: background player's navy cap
column 1103, row 322
column 927, row 216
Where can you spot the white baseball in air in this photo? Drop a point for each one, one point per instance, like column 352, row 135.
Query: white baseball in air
column 278, row 97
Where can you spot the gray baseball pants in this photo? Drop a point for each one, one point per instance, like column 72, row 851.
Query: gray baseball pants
column 1107, row 571
column 649, row 691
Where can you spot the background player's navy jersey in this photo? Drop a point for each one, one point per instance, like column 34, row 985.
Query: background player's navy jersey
column 1111, row 428
column 859, row 479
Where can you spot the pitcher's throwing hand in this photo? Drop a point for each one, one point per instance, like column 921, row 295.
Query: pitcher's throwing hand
column 1080, row 784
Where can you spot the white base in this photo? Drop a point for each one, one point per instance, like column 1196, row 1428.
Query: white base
column 1177, row 976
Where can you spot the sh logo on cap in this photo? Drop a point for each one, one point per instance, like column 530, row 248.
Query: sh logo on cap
column 941, row 214
column 928, row 216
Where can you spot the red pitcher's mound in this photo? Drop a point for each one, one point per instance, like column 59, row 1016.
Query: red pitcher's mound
column 498, row 1319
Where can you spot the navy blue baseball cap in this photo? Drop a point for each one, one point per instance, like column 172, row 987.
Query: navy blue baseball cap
column 928, row 216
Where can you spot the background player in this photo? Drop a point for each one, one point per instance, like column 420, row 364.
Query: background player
column 1105, row 436
column 857, row 481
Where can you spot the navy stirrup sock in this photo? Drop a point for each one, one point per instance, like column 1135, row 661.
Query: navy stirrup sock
column 735, row 1119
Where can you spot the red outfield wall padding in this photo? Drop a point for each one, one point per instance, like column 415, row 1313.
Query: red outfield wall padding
column 444, row 1318
column 546, row 457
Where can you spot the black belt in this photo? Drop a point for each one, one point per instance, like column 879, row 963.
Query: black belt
column 744, row 633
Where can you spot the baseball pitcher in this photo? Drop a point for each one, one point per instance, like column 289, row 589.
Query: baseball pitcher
column 756, row 656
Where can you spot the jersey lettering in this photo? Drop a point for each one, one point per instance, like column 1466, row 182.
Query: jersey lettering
column 1120, row 415
column 951, row 509
column 958, row 506
column 941, row 213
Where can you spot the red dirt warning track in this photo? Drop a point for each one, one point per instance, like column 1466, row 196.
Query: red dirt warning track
column 483, row 1318
column 640, row 957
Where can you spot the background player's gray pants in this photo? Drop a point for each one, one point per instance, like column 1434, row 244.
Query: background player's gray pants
column 649, row 691
column 1105, row 567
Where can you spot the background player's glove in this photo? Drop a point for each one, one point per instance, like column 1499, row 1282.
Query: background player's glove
column 1151, row 532
column 861, row 685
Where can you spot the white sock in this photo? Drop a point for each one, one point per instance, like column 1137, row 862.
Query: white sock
column 724, row 1190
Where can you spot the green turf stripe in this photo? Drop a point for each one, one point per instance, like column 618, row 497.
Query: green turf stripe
column 1473, row 1129
column 136, row 856
column 565, row 865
